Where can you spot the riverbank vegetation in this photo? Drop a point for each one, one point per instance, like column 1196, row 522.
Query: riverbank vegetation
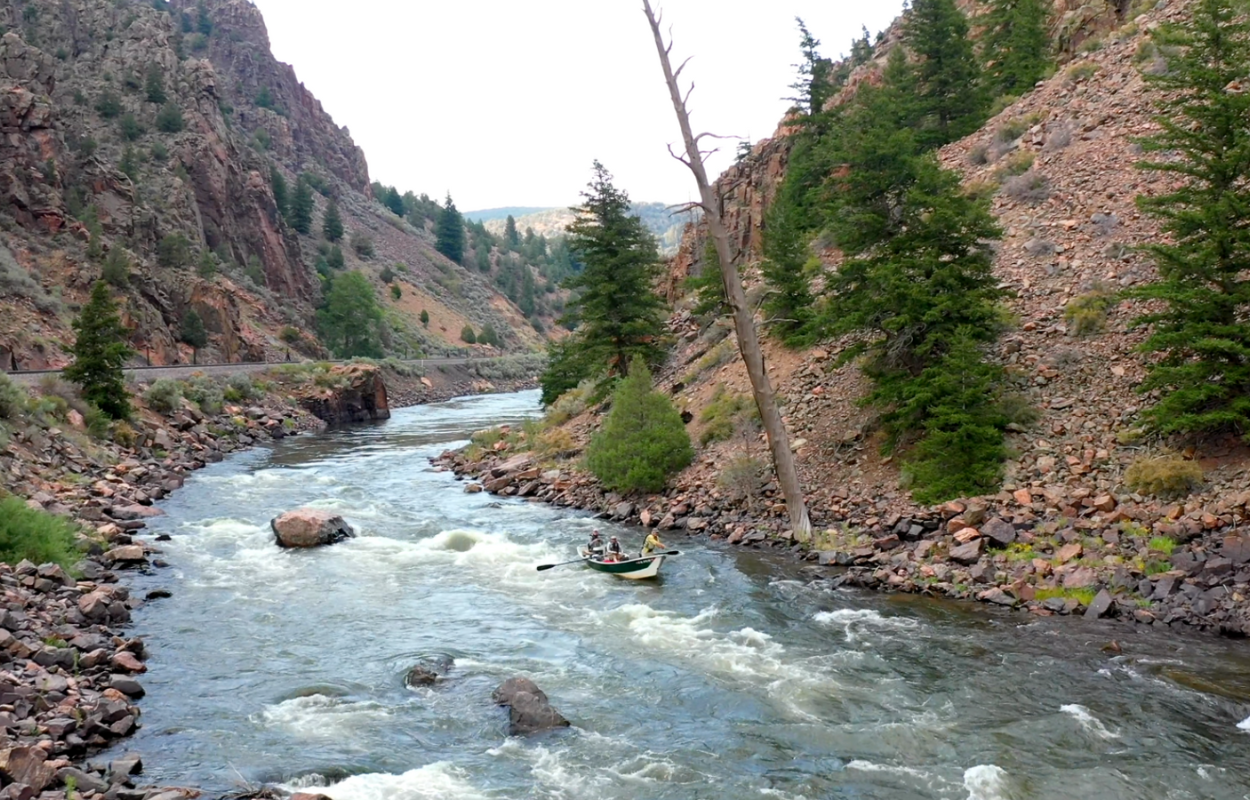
column 35, row 535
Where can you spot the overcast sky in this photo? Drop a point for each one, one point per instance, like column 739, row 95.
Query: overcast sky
column 507, row 103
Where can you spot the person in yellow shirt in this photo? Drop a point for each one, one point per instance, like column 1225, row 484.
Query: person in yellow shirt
column 652, row 544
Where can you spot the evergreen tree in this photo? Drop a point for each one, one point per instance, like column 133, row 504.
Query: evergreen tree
column 1202, row 333
column 154, row 85
column 481, row 255
column 280, row 199
column 643, row 441
column 510, row 234
column 332, row 223
column 620, row 314
column 488, row 335
column 812, row 87
column 116, row 269
column 425, row 318
column 950, row 97
column 394, row 201
column 449, row 234
column 1015, row 44
column 467, row 335
column 100, row 351
column 334, row 259
column 350, row 319
column 169, row 120
column 788, row 304
column 302, row 207
column 192, row 330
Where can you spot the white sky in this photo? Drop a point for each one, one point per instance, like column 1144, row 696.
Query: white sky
column 507, row 103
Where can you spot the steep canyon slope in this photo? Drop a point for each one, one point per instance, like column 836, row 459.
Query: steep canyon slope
column 155, row 131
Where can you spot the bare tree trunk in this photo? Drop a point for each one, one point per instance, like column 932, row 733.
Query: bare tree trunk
column 744, row 322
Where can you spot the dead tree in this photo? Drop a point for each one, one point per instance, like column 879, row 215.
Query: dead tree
column 744, row 320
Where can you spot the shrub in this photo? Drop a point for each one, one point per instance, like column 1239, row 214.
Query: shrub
column 205, row 393
column 116, row 269
column 396, row 292
column 1163, row 545
column 1090, row 45
column 1031, row 187
column 174, row 250
column 570, row 404
column 96, row 422
column 109, row 105
column 158, row 152
column 36, row 535
column 1017, row 164
column 740, row 476
column 1058, row 139
column 12, row 399
column 130, row 128
column 1086, row 314
column 362, row 244
column 467, row 335
column 722, row 415
column 1083, row 70
column 979, row 155
column 124, row 435
column 643, row 441
column 239, row 386
column 981, row 188
column 164, row 395
column 1167, row 476
column 554, row 443
column 1010, row 130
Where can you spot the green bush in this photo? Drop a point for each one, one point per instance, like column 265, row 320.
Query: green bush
column 12, row 399
column 205, row 393
column 1081, row 71
column 643, row 441
column 1166, row 476
column 239, row 386
column 164, row 395
column 96, row 423
column 467, row 335
column 27, row 533
column 1086, row 314
column 170, row 119
column 130, row 128
column 174, row 250
column 1017, row 163
column 722, row 414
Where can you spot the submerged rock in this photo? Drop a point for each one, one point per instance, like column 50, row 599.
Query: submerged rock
column 310, row 527
column 529, row 710
column 428, row 671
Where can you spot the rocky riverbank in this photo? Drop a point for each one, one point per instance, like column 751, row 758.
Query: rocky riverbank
column 1079, row 553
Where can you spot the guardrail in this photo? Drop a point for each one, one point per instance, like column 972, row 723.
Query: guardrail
column 437, row 361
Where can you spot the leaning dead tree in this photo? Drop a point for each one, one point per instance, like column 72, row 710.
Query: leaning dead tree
column 744, row 320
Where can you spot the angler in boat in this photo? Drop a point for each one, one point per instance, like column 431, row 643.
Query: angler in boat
column 613, row 561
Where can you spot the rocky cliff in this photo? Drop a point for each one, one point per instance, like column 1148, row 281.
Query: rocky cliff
column 152, row 130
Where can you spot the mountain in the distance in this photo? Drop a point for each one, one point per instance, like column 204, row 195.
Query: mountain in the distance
column 664, row 223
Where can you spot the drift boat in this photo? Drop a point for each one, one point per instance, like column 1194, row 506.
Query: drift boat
column 635, row 569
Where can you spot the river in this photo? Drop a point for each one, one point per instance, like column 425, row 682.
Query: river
column 729, row 679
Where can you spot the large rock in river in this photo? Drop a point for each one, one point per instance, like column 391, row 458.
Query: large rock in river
column 529, row 711
column 310, row 527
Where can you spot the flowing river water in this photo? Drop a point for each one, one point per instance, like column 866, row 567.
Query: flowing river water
column 730, row 678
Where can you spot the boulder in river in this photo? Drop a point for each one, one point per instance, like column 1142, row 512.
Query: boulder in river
column 310, row 527
column 529, row 710
column 428, row 671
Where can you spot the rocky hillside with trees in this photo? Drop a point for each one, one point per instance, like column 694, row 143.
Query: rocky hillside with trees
column 996, row 256
column 160, row 145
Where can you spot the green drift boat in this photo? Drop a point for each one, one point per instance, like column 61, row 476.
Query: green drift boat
column 635, row 569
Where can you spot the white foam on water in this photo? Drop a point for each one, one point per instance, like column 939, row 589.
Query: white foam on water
column 317, row 716
column 893, row 769
column 438, row 781
column 1088, row 721
column 986, row 782
column 854, row 621
column 1244, row 725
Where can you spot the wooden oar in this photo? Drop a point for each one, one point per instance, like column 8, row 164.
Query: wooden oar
column 542, row 567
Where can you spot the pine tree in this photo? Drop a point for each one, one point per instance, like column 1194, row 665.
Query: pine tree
column 510, row 234
column 1015, row 44
column 350, row 319
column 449, row 234
column 812, row 87
column 280, row 198
column 425, row 318
column 395, row 202
column 788, row 304
column 116, row 269
column 1203, row 331
column 949, row 93
column 192, row 330
column 488, row 335
column 643, row 441
column 169, row 120
column 467, row 335
column 154, row 85
column 620, row 314
column 302, row 207
column 100, row 351
column 334, row 259
column 332, row 223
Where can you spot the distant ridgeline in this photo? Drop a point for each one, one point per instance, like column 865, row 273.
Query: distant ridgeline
column 663, row 222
